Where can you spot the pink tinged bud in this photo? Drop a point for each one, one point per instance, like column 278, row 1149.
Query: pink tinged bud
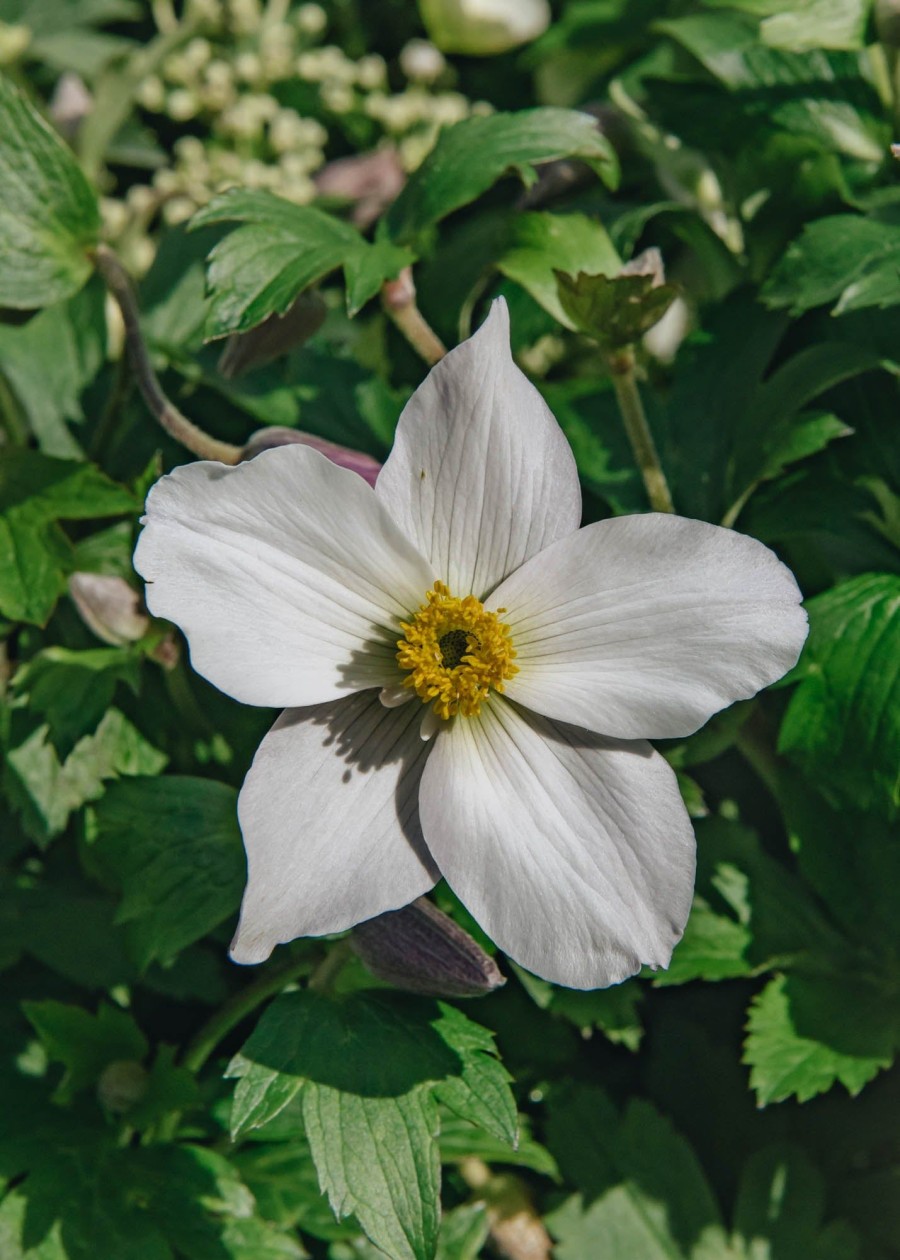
column 369, row 181
column 421, row 949
column 276, row 435
column 275, row 336
column 109, row 607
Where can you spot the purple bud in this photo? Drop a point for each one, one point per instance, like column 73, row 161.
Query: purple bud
column 277, row 435
column 275, row 336
column 421, row 949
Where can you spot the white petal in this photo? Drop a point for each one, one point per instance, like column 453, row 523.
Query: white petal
column 573, row 852
column 330, row 822
column 286, row 574
column 644, row 626
column 481, row 476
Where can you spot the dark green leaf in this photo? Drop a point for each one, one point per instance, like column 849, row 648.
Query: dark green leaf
column 615, row 311
column 85, row 1043
column 780, row 1208
column 172, row 847
column 843, row 724
column 847, row 259
column 48, row 218
column 73, row 689
column 472, row 155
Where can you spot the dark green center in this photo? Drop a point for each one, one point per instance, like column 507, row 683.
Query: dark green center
column 454, row 645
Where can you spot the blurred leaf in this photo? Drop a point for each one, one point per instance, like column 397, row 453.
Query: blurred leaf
column 171, row 846
column 542, row 243
column 459, row 1140
column 35, row 492
column 85, row 1043
column 802, row 25
column 49, row 361
column 472, row 155
column 780, row 1208
column 49, row 217
column 613, row 1011
column 800, row 1041
column 843, row 723
column 260, row 267
column 844, row 258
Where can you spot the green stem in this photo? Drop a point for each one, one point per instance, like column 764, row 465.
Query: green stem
column 239, row 1006
column 323, row 978
column 178, row 426
column 621, row 367
column 398, row 297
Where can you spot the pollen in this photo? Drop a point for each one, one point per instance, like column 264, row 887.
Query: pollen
column 456, row 653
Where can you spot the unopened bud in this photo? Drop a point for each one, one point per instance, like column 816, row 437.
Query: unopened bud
column 274, row 336
column 421, row 949
column 277, row 435
column 648, row 263
column 481, row 28
column 70, row 104
column 110, row 607
column 121, row 1085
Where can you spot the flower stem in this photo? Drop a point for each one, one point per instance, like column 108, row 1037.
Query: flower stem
column 240, row 1005
column 621, row 366
column 398, row 297
column 175, row 424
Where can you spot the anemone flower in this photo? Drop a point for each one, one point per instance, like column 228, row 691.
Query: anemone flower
column 469, row 678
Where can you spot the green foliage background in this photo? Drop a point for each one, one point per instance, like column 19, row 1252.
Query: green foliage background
column 159, row 1102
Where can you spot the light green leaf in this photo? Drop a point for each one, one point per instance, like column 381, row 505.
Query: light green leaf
column 803, row 25
column 46, row 790
column 472, row 155
column 459, row 1140
column 480, row 1091
column 171, row 846
column 843, row 723
column 801, row 1042
column 542, row 243
column 72, row 689
column 49, row 218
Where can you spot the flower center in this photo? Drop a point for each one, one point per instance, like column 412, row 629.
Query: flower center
column 455, row 652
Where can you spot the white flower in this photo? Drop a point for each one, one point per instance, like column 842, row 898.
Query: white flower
column 463, row 581
column 481, row 28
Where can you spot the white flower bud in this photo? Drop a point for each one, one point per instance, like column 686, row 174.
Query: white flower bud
column 482, row 28
column 182, row 105
column 151, row 94
column 311, row 19
column 13, row 42
column 371, row 72
column 421, row 61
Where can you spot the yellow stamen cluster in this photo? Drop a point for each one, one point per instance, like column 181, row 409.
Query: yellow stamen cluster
column 456, row 651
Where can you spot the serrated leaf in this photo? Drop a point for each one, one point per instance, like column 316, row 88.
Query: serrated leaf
column 279, row 249
column 377, row 1157
column 172, row 847
column 472, row 155
column 800, row 1041
column 480, row 1092
column 49, row 217
column 615, row 311
column 542, row 243
column 72, row 689
column 843, row 723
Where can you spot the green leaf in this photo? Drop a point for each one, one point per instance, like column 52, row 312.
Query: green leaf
column 846, row 259
column 804, row 25
column 843, row 723
column 460, row 1140
column 84, row 1043
column 35, row 492
column 780, row 1208
column 73, row 689
column 472, row 155
column 49, row 361
column 259, row 268
column 171, row 846
column 46, row 790
column 542, row 243
column 800, row 1041
column 49, row 217
column 378, row 1158
column 613, row 1011
column 370, row 1110
column 617, row 311
column 643, row 1192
